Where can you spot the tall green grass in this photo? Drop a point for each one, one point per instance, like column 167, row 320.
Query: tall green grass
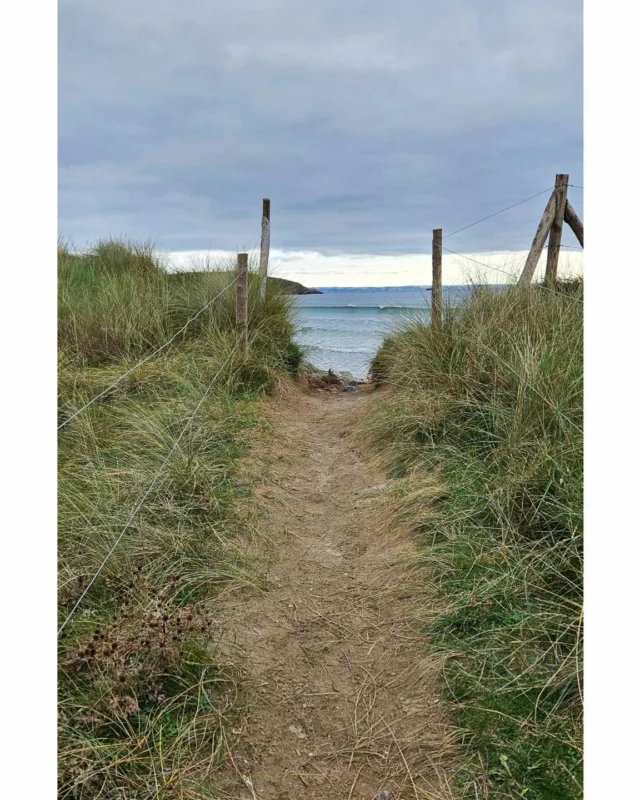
column 144, row 698
column 481, row 425
column 117, row 302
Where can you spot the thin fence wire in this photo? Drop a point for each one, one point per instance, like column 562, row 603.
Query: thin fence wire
column 490, row 266
column 146, row 494
column 502, row 210
column 148, row 358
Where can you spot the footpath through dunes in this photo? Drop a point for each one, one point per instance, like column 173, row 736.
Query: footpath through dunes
column 344, row 702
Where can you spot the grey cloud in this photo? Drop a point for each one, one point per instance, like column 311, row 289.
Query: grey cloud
column 367, row 123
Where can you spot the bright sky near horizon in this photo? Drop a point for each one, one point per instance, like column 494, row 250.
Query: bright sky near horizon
column 414, row 269
column 368, row 124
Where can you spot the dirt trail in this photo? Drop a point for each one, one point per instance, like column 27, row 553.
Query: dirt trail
column 345, row 704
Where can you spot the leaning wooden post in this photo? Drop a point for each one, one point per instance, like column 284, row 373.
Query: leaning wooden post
column 538, row 240
column 555, row 234
column 242, row 302
column 436, row 280
column 574, row 222
column 264, row 245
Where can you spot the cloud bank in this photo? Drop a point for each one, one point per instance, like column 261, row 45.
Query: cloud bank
column 368, row 124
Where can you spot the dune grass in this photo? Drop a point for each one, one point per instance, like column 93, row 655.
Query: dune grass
column 491, row 407
column 144, row 698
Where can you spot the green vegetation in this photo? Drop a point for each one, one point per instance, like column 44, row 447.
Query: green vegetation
column 144, row 699
column 481, row 426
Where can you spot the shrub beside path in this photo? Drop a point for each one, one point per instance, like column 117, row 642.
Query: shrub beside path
column 345, row 700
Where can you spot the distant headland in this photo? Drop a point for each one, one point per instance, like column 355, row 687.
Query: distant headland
column 291, row 287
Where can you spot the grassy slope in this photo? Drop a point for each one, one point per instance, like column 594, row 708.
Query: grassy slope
column 143, row 700
column 503, row 540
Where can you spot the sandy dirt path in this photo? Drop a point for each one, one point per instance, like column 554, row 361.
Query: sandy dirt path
column 345, row 704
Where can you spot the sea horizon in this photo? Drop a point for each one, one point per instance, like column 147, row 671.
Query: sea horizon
column 404, row 288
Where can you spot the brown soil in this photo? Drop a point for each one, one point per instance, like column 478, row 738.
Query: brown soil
column 346, row 702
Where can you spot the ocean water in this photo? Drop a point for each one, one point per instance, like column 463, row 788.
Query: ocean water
column 342, row 329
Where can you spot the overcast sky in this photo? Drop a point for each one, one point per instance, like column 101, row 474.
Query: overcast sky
column 367, row 123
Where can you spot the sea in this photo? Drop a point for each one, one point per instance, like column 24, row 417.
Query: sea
column 341, row 329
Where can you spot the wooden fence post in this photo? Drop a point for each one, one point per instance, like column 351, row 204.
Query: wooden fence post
column 264, row 245
column 436, row 280
column 538, row 240
column 242, row 302
column 555, row 234
column 574, row 222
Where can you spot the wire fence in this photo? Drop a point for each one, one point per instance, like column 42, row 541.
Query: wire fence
column 502, row 210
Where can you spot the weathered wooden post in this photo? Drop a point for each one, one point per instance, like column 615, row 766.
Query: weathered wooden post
column 264, row 245
column 538, row 241
column 574, row 222
column 242, row 302
column 555, row 234
column 436, row 280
